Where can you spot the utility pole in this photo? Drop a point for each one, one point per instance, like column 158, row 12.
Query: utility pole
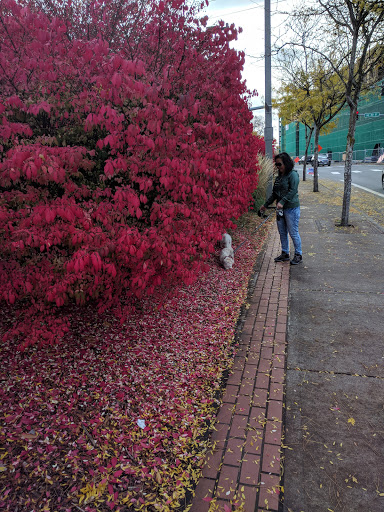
column 268, row 130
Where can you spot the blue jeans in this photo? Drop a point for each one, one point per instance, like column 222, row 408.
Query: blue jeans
column 289, row 224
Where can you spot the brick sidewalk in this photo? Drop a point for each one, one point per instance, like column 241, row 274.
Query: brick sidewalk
column 244, row 466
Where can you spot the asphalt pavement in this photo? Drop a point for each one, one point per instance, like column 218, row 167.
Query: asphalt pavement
column 334, row 416
column 365, row 175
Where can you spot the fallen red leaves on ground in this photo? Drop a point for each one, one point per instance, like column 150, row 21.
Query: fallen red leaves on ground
column 116, row 417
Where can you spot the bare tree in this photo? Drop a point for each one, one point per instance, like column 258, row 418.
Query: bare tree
column 258, row 125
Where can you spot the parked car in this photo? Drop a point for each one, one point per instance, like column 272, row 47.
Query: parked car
column 323, row 160
column 309, row 159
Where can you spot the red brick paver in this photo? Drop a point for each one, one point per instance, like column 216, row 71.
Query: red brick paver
column 244, row 467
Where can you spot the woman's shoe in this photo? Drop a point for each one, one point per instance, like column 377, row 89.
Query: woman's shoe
column 284, row 256
column 297, row 259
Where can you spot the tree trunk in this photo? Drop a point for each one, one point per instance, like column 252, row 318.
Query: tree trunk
column 348, row 167
column 307, row 142
column 315, row 166
column 305, row 155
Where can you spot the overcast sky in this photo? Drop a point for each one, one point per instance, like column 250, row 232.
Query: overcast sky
column 249, row 14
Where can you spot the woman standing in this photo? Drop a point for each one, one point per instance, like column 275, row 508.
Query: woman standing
column 285, row 193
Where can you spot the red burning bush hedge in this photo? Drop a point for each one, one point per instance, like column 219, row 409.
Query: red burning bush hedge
column 126, row 150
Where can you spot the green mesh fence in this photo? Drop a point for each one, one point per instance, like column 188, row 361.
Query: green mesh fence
column 369, row 136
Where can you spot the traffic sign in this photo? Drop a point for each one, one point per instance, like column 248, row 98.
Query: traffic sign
column 372, row 114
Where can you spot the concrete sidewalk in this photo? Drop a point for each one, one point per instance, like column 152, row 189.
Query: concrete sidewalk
column 301, row 427
column 335, row 365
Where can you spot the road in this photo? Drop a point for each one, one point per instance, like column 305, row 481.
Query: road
column 363, row 175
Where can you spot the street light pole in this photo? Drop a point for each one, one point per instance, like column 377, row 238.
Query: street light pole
column 268, row 129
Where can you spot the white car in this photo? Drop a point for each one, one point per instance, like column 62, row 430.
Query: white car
column 309, row 159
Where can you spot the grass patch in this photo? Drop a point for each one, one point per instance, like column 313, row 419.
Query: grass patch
column 267, row 170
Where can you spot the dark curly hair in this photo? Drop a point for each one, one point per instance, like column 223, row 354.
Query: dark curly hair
column 287, row 161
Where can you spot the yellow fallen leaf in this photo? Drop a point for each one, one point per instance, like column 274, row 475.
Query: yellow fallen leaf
column 352, row 421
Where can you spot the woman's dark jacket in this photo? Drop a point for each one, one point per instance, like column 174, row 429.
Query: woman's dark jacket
column 285, row 190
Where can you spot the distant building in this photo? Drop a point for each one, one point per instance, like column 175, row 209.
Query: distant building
column 369, row 137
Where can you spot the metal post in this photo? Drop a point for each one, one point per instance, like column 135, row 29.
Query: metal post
column 268, row 130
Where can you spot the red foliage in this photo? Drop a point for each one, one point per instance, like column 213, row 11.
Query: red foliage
column 126, row 150
column 120, row 414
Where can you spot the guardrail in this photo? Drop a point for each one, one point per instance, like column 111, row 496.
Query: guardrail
column 359, row 155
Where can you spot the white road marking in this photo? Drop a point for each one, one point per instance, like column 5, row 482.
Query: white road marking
column 368, row 190
column 335, row 172
column 376, row 170
column 357, row 172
